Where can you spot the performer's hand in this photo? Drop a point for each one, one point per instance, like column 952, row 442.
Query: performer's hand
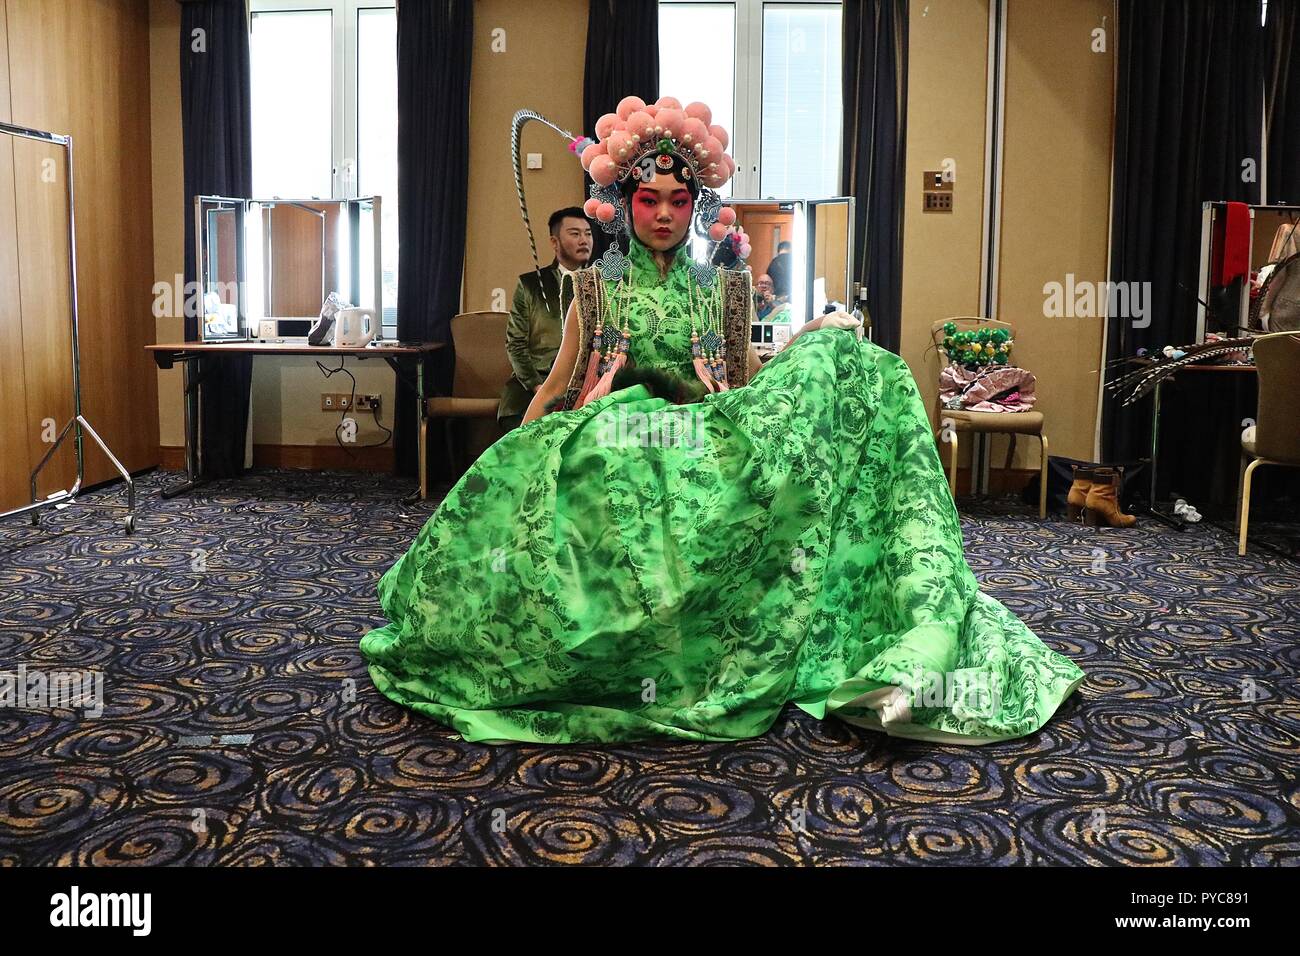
column 831, row 320
column 843, row 320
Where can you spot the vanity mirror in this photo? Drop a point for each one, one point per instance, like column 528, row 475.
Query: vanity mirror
column 800, row 260
column 267, row 265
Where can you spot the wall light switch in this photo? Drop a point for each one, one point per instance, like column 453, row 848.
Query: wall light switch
column 534, row 160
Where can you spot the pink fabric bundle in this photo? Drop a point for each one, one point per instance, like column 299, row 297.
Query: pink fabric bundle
column 994, row 388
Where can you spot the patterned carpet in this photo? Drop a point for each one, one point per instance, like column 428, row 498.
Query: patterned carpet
column 240, row 727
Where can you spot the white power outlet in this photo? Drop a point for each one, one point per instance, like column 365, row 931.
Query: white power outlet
column 343, row 401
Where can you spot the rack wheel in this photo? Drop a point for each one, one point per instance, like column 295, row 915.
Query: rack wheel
column 130, row 524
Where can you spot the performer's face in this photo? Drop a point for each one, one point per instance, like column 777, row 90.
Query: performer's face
column 661, row 212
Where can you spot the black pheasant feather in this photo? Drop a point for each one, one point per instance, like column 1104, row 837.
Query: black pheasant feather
column 1134, row 385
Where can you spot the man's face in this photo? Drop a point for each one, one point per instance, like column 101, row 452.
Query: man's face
column 763, row 285
column 573, row 244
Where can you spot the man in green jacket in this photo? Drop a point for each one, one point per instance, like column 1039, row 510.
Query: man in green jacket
column 536, row 321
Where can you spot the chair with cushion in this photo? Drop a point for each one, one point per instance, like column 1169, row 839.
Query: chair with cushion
column 984, row 424
column 482, row 368
column 1274, row 439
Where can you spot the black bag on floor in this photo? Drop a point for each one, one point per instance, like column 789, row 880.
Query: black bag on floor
column 1060, row 475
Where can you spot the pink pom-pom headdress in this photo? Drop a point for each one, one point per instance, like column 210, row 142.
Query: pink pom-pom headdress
column 636, row 131
column 632, row 143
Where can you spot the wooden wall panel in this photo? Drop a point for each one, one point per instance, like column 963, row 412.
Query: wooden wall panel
column 44, row 299
column 1056, row 207
column 81, row 66
column 14, row 459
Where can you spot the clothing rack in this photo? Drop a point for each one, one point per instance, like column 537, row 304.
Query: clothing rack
column 77, row 424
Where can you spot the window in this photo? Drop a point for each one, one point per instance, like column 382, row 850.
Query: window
column 324, row 99
column 771, row 73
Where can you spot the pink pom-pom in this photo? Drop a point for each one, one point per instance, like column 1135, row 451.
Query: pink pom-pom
column 717, row 232
column 590, row 153
column 720, row 134
column 712, row 150
column 603, row 170
column 629, row 105
column 672, row 121
column 590, row 206
column 668, row 102
column 694, row 131
column 619, row 144
column 745, row 250
column 605, row 212
column 605, row 125
column 641, row 124
column 700, row 112
column 726, row 215
column 730, row 163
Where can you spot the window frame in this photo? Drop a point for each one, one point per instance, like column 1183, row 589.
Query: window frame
column 344, row 25
column 747, row 85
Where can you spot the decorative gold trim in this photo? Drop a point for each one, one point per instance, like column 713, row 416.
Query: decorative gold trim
column 736, row 299
column 586, row 293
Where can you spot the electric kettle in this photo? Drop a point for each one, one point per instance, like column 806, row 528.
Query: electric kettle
column 354, row 327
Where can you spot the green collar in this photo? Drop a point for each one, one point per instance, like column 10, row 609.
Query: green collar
column 645, row 271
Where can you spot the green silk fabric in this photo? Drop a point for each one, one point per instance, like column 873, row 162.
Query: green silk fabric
column 637, row 569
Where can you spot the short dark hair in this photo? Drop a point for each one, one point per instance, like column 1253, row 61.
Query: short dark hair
column 784, row 247
column 568, row 212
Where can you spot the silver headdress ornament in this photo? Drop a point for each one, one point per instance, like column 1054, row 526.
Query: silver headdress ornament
column 634, row 142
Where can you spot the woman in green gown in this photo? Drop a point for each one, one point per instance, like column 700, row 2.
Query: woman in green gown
column 683, row 565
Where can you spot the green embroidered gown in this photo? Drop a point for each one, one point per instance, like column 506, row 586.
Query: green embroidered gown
column 637, row 569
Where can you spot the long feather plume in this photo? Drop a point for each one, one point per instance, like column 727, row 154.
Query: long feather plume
column 516, row 125
column 1140, row 382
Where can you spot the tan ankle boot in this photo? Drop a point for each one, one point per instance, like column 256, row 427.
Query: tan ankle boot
column 1077, row 499
column 1102, row 503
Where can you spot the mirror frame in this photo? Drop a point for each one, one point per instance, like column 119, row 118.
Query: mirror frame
column 203, row 206
column 804, row 240
column 814, row 207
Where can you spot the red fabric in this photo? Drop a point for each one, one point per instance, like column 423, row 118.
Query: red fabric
column 1232, row 244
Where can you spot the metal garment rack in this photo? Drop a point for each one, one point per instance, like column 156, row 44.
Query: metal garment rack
column 77, row 423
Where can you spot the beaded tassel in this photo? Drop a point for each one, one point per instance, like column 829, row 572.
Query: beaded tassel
column 698, row 361
column 605, row 385
column 593, row 363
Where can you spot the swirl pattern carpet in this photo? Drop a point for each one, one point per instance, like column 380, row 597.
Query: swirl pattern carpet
column 239, row 725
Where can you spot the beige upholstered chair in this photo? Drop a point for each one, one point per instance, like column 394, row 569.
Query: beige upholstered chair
column 482, row 369
column 1275, row 438
column 986, row 423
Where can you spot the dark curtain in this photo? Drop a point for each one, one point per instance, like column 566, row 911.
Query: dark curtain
column 622, row 60
column 217, row 146
column 435, row 40
column 874, row 148
column 1188, row 111
column 1282, row 102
